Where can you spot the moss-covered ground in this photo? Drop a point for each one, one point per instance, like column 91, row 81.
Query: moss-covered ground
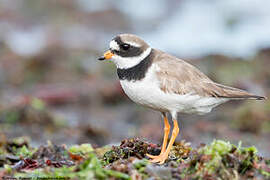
column 218, row 160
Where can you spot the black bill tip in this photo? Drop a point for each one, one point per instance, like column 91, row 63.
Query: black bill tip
column 101, row 58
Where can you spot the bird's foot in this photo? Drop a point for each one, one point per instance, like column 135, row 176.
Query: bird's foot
column 152, row 156
column 158, row 159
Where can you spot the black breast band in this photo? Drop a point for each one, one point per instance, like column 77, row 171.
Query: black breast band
column 137, row 72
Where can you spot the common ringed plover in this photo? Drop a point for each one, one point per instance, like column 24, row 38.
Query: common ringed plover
column 160, row 81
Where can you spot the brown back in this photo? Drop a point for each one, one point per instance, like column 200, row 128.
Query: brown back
column 180, row 77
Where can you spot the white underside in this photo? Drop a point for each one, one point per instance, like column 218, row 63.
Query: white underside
column 147, row 92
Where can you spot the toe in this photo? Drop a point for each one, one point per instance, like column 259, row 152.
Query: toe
column 152, row 156
column 159, row 159
column 155, row 160
column 162, row 161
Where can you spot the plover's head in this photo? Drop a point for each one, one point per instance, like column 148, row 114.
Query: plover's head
column 127, row 50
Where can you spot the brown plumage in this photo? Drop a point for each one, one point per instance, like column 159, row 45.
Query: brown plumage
column 180, row 77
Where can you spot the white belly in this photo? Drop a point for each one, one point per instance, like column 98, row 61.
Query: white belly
column 146, row 92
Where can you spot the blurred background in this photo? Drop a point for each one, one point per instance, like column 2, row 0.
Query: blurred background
column 53, row 88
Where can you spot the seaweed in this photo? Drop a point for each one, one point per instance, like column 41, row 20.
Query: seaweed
column 131, row 147
column 129, row 161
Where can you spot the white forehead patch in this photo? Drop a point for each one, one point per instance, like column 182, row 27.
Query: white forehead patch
column 133, row 44
column 114, row 45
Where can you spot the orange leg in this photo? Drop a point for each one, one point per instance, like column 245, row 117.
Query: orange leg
column 165, row 138
column 162, row 157
column 166, row 133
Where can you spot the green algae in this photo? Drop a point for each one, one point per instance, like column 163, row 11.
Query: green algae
column 128, row 161
column 81, row 149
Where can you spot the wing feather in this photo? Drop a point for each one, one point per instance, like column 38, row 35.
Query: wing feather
column 179, row 77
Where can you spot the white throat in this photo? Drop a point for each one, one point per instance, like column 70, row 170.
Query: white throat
column 128, row 62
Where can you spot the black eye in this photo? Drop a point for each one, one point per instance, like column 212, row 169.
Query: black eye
column 125, row 46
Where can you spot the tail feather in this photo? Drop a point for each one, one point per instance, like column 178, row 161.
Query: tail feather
column 235, row 93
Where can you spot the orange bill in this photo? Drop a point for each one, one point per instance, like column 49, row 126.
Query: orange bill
column 107, row 55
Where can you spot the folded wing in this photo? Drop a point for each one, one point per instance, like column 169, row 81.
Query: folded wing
column 179, row 77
